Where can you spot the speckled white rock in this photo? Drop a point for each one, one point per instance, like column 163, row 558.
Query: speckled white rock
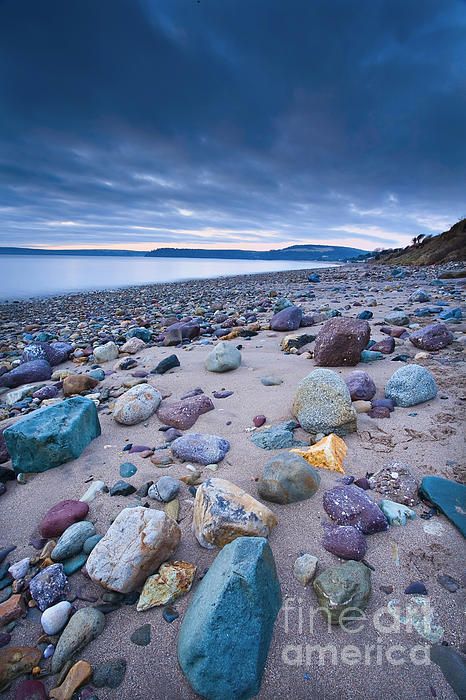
column 107, row 352
column 136, row 543
column 133, row 345
column 136, row 404
column 20, row 568
column 55, row 618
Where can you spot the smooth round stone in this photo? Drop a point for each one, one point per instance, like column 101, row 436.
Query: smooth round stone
column 72, row 540
column 127, row 469
column 54, row 619
column 200, row 448
column 90, row 543
column 98, row 374
column 223, row 358
column 288, row 478
column 259, row 421
column 411, row 385
column 271, row 381
column 136, row 404
column 61, row 516
column 345, row 541
column 70, row 566
column 360, row 385
column 85, row 625
column 165, row 490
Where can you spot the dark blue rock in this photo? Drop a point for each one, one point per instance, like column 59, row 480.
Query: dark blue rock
column 27, row 373
column 49, row 586
column 313, row 277
column 52, row 435
column 416, row 588
column 226, row 632
column 127, row 469
column 365, row 315
column 164, row 365
column 448, row 496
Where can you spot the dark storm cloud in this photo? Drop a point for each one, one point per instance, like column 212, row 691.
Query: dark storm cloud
column 230, row 123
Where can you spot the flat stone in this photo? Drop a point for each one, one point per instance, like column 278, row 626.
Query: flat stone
column 411, row 385
column 122, row 488
column 343, row 587
column 78, row 675
column 200, row 448
column 288, row 478
column 166, row 364
column 448, row 496
column 270, row 380
column 52, row 435
column 322, row 404
column 279, row 437
column 49, row 586
column 84, row 626
column 350, row 505
column 142, row 636
column 137, row 542
column 183, row 414
column 223, row 512
column 226, row 632
column 137, row 404
column 172, row 580
column 21, row 393
column 340, row 342
column 61, row 516
column 72, row 540
column 452, row 665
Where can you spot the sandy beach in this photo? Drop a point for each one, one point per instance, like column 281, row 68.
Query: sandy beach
column 428, row 437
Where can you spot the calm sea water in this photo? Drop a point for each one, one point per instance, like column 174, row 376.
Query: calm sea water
column 26, row 276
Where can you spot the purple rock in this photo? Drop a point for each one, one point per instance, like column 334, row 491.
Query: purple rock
column 341, row 341
column 30, row 690
column 49, row 586
column 4, row 639
column 307, row 320
column 379, row 412
column 138, row 448
column 27, row 373
column 349, row 505
column 344, row 541
column 288, row 319
column 171, row 434
column 199, row 448
column 63, row 514
column 416, row 588
column 386, row 346
column 361, row 386
column 180, row 331
column 183, row 414
column 363, row 483
column 385, row 403
column 47, row 392
column 397, row 332
column 222, row 394
column 433, row 337
column 54, row 353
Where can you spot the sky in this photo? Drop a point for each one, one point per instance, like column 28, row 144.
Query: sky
column 251, row 124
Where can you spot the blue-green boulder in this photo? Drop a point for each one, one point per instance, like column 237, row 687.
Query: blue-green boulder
column 52, row 435
column 449, row 497
column 226, row 632
column 411, row 385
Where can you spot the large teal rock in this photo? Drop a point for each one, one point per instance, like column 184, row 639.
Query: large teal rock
column 449, row 497
column 52, row 435
column 226, row 632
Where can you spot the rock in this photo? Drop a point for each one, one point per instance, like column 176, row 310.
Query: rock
column 72, row 540
column 142, row 636
column 183, row 414
column 127, row 470
column 166, row 364
column 288, row 319
column 11, row 609
column 397, row 483
column 201, row 449
column 397, row 318
column 327, row 453
column 288, row 478
column 54, row 619
column 362, row 406
column 17, row 395
column 90, row 543
column 78, row 384
column 5, row 639
column 223, row 358
column 133, row 345
column 54, row 353
column 360, row 385
column 165, row 490
column 27, row 373
column 371, row 356
column 223, row 512
column 279, row 437
column 84, row 626
column 5, row 551
column 49, row 586
column 322, row 404
column 343, row 587
column 295, row 341
column 53, row 435
column 172, row 509
column 173, row 580
column 30, row 690
column 122, row 488
column 304, row 568
column 109, row 674
column 345, row 541
column 411, row 385
column 226, row 632
column 433, row 337
column 350, row 505
column 416, row 588
column 314, row 277
column 270, row 380
column 179, row 331
column 419, row 295
column 20, row 568
column 449, row 583
column 340, row 342
column 4, row 454
column 50, row 391
column 78, row 674
column 136, row 543
column 385, row 346
column 379, row 412
column 259, row 420
column 144, row 334
column 452, row 665
column 396, row 513
column 106, row 353
column 16, row 661
column 448, row 496
column 136, row 404
column 95, row 488
column 61, row 516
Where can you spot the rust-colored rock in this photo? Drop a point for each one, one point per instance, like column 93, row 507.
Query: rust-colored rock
column 172, row 580
column 14, row 661
column 341, row 341
column 78, row 674
column 11, row 609
column 223, row 512
column 78, row 384
column 328, row 453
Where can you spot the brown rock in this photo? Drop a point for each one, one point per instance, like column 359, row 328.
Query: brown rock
column 11, row 609
column 78, row 674
column 341, row 341
column 14, row 661
column 78, row 384
column 183, row 414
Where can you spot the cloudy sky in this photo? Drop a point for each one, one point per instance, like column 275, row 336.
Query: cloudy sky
column 230, row 123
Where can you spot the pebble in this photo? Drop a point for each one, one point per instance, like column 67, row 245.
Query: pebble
column 109, row 674
column 142, row 636
column 54, row 619
column 165, row 489
column 304, row 568
column 72, row 540
column 127, row 469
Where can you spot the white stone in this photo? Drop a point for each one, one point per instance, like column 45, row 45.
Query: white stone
column 107, row 352
column 136, row 404
column 55, row 618
column 133, row 345
column 22, row 392
column 95, row 488
column 136, row 543
column 20, row 569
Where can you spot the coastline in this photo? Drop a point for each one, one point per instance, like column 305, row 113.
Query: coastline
column 428, row 437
